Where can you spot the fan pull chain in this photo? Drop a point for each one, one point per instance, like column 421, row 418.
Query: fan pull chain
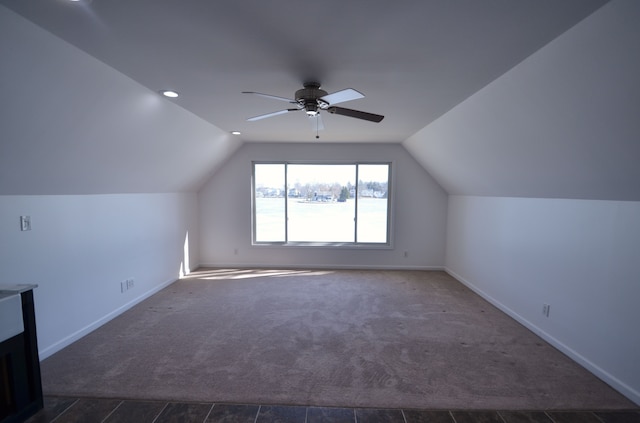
column 317, row 130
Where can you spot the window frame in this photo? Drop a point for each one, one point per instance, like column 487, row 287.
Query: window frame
column 319, row 244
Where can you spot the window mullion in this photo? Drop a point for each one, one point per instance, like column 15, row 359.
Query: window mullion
column 355, row 217
column 286, row 204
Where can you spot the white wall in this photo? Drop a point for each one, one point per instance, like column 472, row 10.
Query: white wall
column 419, row 212
column 81, row 247
column 579, row 256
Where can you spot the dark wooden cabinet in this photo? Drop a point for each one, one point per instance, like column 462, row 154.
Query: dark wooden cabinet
column 20, row 384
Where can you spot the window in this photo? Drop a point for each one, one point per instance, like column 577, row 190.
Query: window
column 299, row 203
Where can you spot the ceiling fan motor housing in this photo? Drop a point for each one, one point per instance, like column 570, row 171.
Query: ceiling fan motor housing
column 310, row 98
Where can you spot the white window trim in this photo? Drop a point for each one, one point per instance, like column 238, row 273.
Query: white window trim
column 389, row 245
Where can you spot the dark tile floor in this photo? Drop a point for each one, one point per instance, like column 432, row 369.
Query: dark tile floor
column 95, row 410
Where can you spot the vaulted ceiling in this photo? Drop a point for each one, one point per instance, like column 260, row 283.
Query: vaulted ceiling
column 82, row 81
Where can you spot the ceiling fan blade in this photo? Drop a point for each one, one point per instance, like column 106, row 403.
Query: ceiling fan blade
column 342, row 96
column 275, row 97
column 268, row 115
column 355, row 114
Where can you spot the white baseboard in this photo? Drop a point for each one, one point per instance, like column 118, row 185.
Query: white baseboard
column 317, row 266
column 52, row 349
column 605, row 376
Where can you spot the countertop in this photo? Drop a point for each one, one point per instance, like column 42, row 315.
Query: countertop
column 11, row 290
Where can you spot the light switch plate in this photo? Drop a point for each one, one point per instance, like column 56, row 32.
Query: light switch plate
column 25, row 223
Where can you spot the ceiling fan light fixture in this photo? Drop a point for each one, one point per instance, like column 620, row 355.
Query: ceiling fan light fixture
column 311, row 108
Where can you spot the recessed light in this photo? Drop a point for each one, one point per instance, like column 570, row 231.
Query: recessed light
column 235, row 132
column 82, row 2
column 169, row 93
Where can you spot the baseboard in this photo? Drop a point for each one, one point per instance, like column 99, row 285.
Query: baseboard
column 46, row 352
column 317, row 266
column 614, row 382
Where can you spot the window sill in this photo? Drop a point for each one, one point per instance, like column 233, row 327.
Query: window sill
column 325, row 245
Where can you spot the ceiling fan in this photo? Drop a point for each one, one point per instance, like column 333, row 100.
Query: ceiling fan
column 312, row 100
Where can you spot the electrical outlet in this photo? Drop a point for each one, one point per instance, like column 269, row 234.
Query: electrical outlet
column 545, row 309
column 127, row 284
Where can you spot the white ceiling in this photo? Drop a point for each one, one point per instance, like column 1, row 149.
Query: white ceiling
column 527, row 98
column 563, row 123
column 413, row 60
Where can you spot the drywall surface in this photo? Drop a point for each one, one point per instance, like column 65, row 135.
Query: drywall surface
column 419, row 212
column 80, row 249
column 561, row 124
column 73, row 125
column 579, row 256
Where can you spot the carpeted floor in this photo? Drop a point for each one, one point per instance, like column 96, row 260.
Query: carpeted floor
column 384, row 339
